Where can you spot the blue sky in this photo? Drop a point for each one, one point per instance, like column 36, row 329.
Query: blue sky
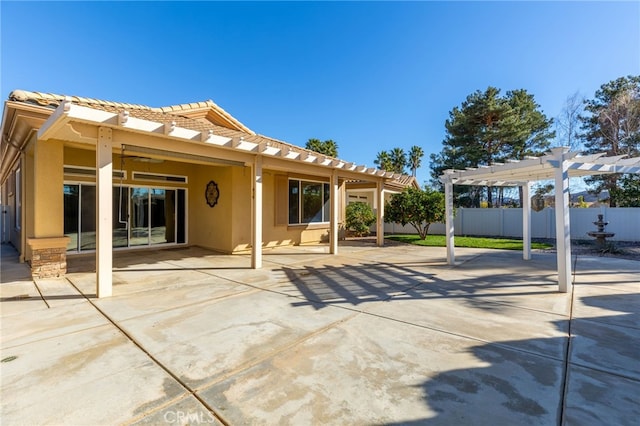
column 370, row 75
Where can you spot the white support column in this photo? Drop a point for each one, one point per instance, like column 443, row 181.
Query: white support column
column 334, row 200
column 449, row 226
column 256, row 214
column 526, row 221
column 380, row 215
column 563, row 226
column 104, row 213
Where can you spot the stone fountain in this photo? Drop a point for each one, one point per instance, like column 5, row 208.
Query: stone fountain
column 600, row 235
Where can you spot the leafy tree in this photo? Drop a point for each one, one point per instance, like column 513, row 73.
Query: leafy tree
column 612, row 125
column 488, row 128
column 359, row 217
column 383, row 161
column 582, row 204
column 415, row 159
column 417, row 207
column 328, row 147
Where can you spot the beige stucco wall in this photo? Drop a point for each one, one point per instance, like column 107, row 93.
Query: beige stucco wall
column 48, row 198
column 87, row 158
column 277, row 235
column 241, row 209
column 227, row 226
column 210, row 227
column 28, row 206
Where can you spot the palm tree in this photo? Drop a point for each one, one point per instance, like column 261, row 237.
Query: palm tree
column 383, row 161
column 328, row 147
column 415, row 159
column 398, row 160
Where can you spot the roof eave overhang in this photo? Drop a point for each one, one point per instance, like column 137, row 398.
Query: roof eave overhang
column 68, row 112
column 19, row 120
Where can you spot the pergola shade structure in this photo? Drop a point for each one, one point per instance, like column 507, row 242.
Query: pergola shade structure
column 559, row 165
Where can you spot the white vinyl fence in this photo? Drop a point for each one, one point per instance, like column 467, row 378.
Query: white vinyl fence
column 507, row 222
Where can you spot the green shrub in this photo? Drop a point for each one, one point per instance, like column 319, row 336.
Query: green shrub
column 359, row 217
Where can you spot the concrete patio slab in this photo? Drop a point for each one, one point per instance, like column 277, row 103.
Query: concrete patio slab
column 597, row 398
column 164, row 298
column 606, row 347
column 187, row 410
column 607, row 305
column 18, row 330
column 373, row 335
column 527, row 330
column 203, row 342
column 92, row 376
column 369, row 370
column 19, row 297
column 58, row 291
column 613, row 273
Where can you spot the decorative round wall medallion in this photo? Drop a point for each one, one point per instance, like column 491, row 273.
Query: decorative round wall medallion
column 212, row 193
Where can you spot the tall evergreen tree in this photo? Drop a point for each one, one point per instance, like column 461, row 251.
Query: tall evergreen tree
column 611, row 124
column 488, row 128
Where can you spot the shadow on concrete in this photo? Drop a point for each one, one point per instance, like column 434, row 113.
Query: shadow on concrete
column 357, row 284
column 520, row 387
column 515, row 388
column 11, row 270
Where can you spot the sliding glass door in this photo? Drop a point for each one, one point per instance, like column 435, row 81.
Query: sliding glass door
column 142, row 216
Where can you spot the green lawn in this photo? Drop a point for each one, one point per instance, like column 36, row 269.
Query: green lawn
column 474, row 242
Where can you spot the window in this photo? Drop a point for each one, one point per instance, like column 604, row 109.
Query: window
column 308, row 202
column 18, row 199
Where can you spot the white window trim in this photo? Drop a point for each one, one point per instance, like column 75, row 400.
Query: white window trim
column 299, row 180
column 136, row 176
column 117, row 174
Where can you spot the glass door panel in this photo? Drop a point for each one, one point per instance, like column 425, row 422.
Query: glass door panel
column 170, row 215
column 120, row 217
column 71, row 214
column 87, row 217
column 139, row 219
column 161, row 217
column 181, row 221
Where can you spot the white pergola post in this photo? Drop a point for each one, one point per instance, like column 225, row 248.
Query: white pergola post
column 334, row 200
column 563, row 226
column 449, row 226
column 526, row 221
column 104, row 213
column 380, row 215
column 256, row 213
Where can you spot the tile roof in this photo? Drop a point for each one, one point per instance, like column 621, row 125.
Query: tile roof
column 174, row 113
column 53, row 100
